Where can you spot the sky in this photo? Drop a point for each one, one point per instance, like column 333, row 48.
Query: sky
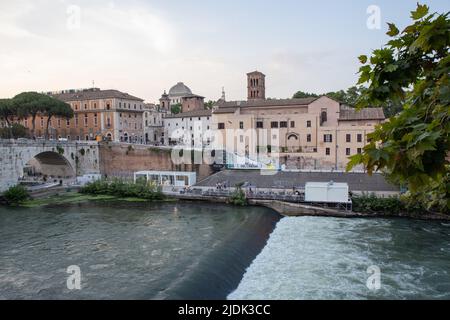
column 144, row 47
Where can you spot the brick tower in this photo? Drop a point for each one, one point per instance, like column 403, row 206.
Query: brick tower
column 256, row 86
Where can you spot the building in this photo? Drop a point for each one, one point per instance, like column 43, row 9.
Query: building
column 310, row 133
column 177, row 92
column 191, row 128
column 153, row 124
column 180, row 94
column 99, row 114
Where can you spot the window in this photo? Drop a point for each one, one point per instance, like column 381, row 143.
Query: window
column 68, row 122
column 327, row 138
column 359, row 137
column 283, row 124
column 323, row 116
column 359, row 150
column 42, row 122
column 95, row 106
column 85, row 120
column 259, row 124
column 308, row 124
column 108, row 106
column 59, row 123
column 274, row 124
column 292, row 124
column 347, row 151
column 221, row 126
column 308, row 138
column 85, row 106
column 241, row 125
column 76, row 123
column 241, row 139
column 348, row 138
column 95, row 119
column 327, row 151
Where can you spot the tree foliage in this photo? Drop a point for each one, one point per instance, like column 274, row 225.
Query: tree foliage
column 32, row 104
column 16, row 194
column 412, row 69
column 176, row 108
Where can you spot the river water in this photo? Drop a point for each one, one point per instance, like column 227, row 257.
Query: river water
column 213, row 251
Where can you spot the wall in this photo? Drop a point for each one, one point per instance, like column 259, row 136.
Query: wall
column 122, row 160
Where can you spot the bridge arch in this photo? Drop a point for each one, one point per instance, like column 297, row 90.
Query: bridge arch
column 48, row 166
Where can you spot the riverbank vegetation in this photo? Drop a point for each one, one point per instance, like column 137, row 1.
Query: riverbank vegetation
column 412, row 147
column 238, row 197
column 16, row 195
column 371, row 204
column 119, row 188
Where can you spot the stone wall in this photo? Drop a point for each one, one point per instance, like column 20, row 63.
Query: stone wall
column 122, row 160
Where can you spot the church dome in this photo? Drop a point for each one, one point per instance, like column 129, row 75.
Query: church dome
column 179, row 90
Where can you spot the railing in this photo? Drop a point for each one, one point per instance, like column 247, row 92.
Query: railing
column 258, row 195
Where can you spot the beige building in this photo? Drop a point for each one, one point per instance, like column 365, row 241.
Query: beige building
column 311, row 133
column 99, row 114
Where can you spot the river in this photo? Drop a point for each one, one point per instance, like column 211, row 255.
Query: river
column 213, row 251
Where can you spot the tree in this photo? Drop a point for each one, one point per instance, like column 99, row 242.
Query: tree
column 176, row 108
column 209, row 105
column 413, row 69
column 301, row 95
column 7, row 113
column 15, row 130
column 31, row 104
column 56, row 108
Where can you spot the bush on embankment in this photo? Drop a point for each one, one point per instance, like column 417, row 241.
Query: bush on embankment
column 238, row 197
column 370, row 203
column 140, row 189
column 15, row 195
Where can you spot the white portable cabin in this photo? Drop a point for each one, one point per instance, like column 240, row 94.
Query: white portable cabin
column 330, row 192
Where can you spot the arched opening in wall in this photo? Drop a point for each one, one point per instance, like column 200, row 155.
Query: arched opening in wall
column 48, row 167
column 293, row 143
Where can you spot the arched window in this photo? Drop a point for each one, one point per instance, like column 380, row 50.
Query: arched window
column 293, row 136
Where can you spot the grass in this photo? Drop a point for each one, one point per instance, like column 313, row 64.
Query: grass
column 75, row 197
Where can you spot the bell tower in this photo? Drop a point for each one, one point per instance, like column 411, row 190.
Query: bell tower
column 256, row 86
column 164, row 103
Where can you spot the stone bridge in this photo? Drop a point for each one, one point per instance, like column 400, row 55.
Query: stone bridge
column 65, row 160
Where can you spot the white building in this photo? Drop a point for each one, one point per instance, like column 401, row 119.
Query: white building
column 153, row 124
column 190, row 128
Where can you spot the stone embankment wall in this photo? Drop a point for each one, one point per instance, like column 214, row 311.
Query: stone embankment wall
column 122, row 160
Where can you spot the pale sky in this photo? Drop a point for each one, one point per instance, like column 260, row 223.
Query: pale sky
column 145, row 46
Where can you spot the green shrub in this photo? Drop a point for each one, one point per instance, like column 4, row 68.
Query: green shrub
column 238, row 197
column 16, row 194
column 392, row 205
column 119, row 188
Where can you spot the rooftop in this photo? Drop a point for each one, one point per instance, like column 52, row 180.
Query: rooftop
column 348, row 113
column 195, row 113
column 95, row 94
column 179, row 90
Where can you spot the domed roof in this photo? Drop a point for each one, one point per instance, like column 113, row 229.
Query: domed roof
column 180, row 89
